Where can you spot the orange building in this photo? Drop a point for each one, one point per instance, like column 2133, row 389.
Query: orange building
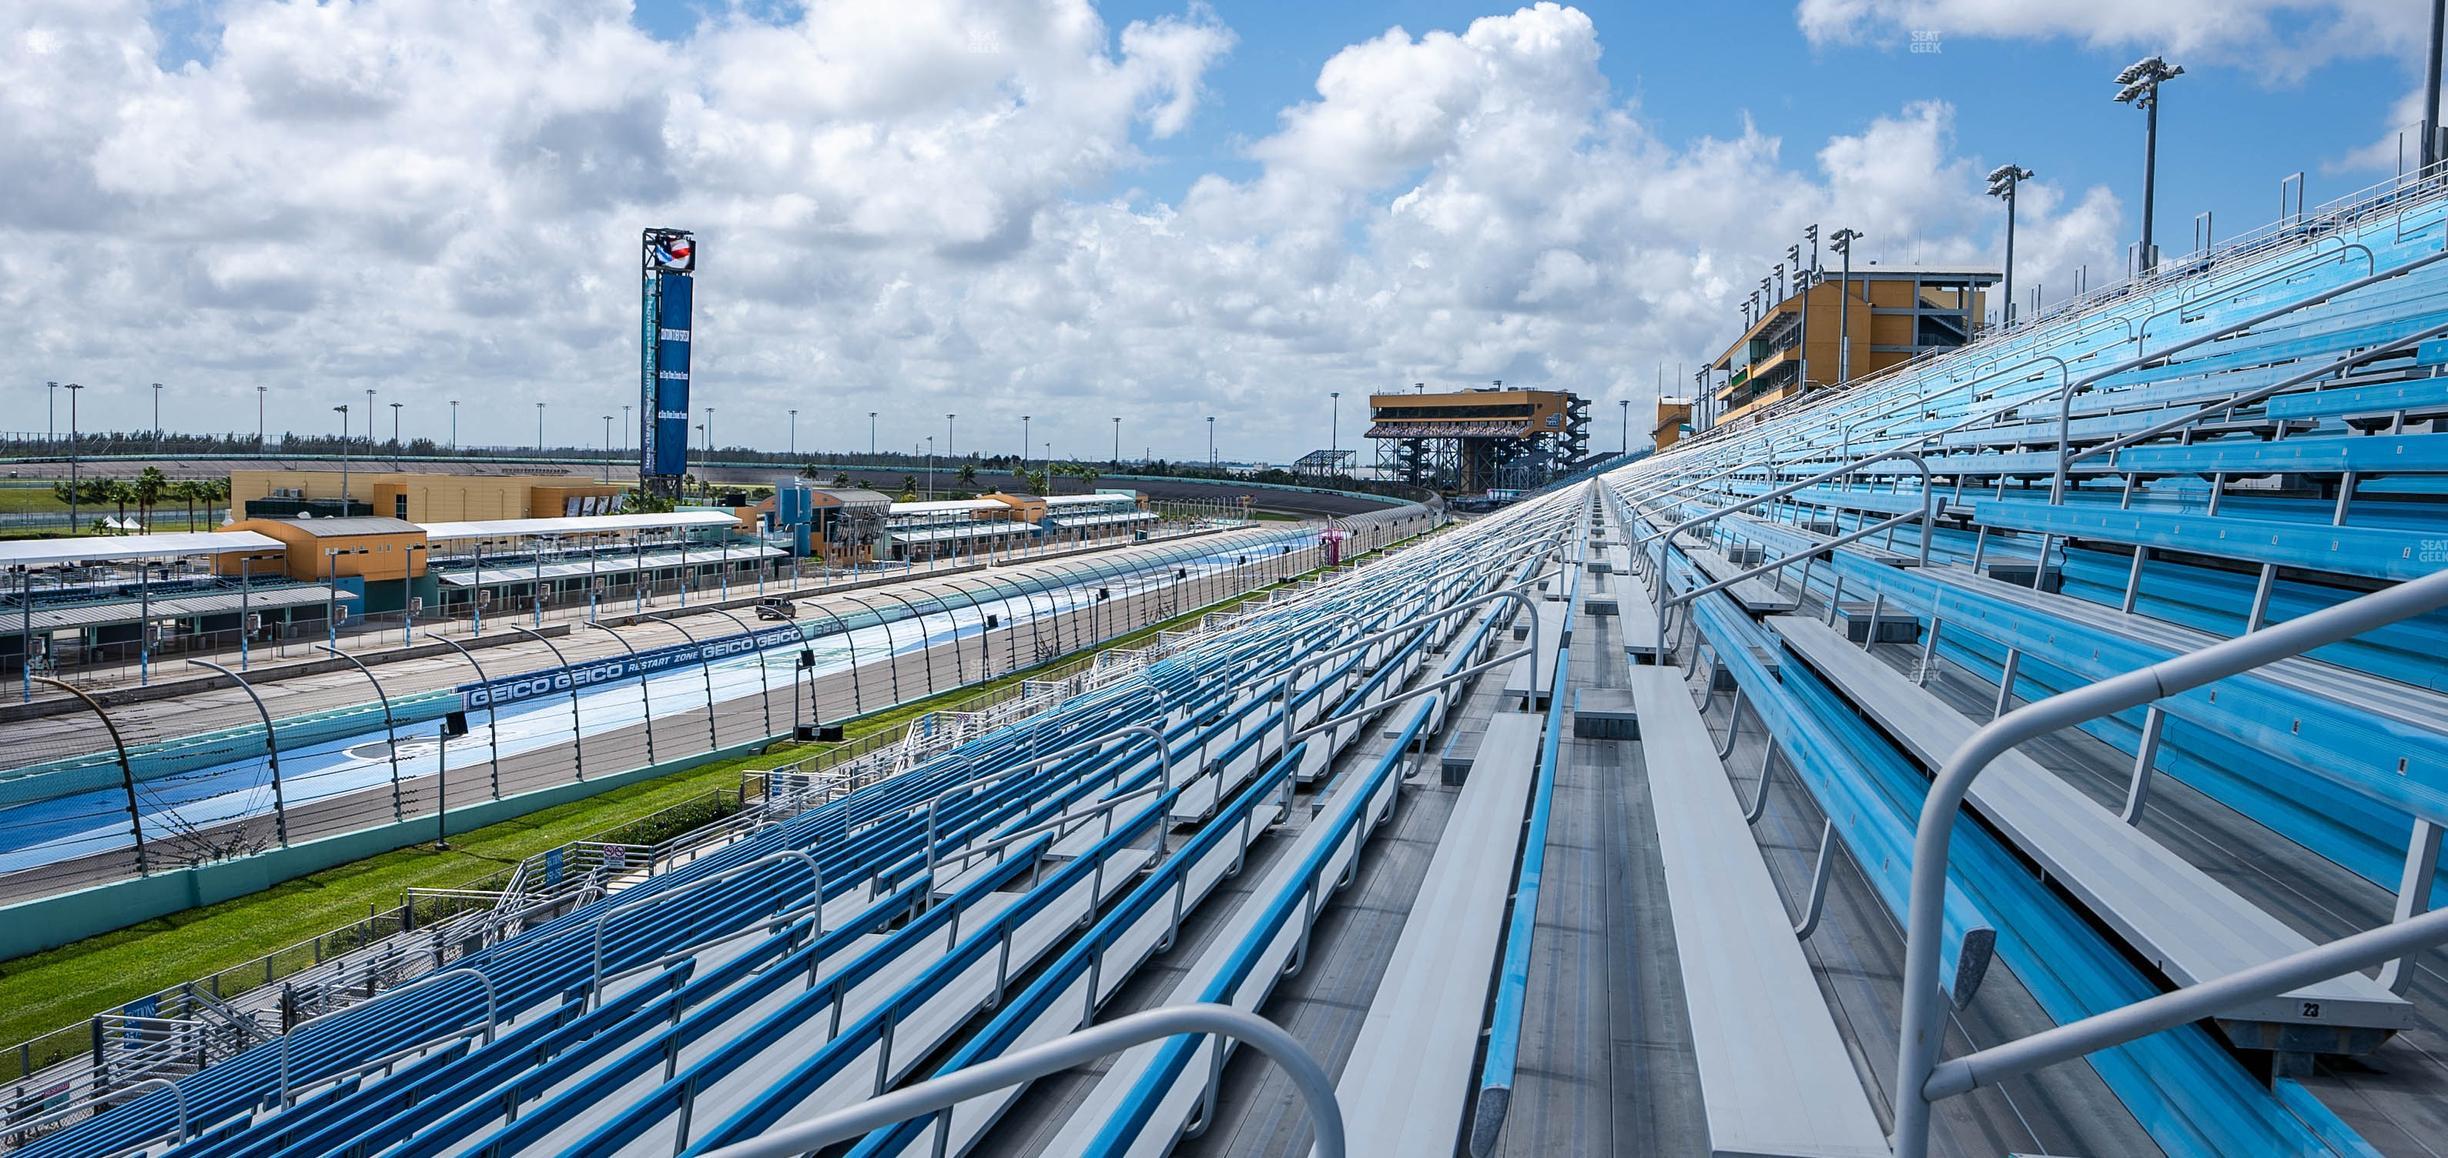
column 1478, row 440
column 1895, row 315
column 1674, row 417
column 421, row 498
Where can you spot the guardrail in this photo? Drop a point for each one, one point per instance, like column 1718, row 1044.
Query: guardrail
column 1079, row 1048
column 1918, row 1072
column 328, row 973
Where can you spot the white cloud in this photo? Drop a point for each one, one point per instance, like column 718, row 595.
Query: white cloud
column 2287, row 37
column 899, row 212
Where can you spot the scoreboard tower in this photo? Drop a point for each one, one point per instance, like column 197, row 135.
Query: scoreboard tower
column 670, row 278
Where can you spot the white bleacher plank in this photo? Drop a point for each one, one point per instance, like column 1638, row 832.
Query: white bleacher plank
column 1407, row 1080
column 1758, row 596
column 1090, row 1116
column 1775, row 1076
column 2178, row 917
column 1130, row 949
column 1550, row 640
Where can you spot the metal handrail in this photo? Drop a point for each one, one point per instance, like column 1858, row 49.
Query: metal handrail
column 1917, row 1071
column 1164, row 769
column 2265, row 238
column 2065, row 399
column 119, row 1093
column 1073, row 1049
column 1529, row 611
column 492, row 1015
column 1898, row 373
column 615, row 907
column 1666, row 600
column 2248, row 397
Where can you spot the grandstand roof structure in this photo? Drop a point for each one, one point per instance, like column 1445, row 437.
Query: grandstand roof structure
column 104, row 548
column 682, row 519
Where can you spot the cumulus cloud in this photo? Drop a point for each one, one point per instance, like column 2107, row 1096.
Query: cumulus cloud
column 2287, row 37
column 902, row 207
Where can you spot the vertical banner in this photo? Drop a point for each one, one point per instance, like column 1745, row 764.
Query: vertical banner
column 672, row 376
column 670, row 259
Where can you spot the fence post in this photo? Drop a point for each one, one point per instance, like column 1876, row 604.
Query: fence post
column 577, row 726
column 127, row 771
column 492, row 714
column 706, row 668
column 399, row 807
column 645, row 701
column 272, row 750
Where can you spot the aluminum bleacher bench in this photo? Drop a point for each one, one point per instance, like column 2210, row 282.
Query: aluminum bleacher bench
column 1407, row 1081
column 1757, row 596
column 2184, row 923
column 1775, row 1076
column 1517, row 689
column 1636, row 621
column 2371, row 454
column 2420, row 398
column 2371, row 552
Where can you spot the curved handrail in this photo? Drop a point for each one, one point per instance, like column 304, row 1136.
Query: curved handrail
column 115, row 1094
column 613, row 906
column 492, row 1014
column 1922, row 1025
column 1062, row 1053
column 1164, row 766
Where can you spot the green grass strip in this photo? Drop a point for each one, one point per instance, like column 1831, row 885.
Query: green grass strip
column 45, row 991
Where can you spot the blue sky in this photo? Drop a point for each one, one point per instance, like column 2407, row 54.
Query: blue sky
column 2231, row 129
column 438, row 200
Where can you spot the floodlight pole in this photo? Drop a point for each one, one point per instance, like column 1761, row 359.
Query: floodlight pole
column 1842, row 241
column 2431, row 88
column 73, row 438
column 2150, row 185
column 2141, row 81
column 2004, row 182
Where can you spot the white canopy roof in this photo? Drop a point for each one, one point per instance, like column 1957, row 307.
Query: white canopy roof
column 577, row 525
column 948, row 507
column 97, row 548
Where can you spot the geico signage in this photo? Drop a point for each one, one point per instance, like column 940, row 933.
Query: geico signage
column 561, row 681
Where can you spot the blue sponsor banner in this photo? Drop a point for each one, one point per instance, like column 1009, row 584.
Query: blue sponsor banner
column 671, row 384
column 560, row 681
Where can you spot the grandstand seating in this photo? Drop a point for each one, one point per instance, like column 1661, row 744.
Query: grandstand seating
column 2160, row 468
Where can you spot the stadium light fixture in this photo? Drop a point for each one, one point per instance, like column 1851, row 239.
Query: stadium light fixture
column 2141, row 81
column 342, row 411
column 2003, row 182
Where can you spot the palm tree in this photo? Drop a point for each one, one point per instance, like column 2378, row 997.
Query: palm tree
column 184, row 491
column 150, row 486
column 968, row 475
column 121, row 492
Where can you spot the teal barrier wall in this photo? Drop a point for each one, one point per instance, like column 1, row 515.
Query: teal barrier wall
column 33, row 926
